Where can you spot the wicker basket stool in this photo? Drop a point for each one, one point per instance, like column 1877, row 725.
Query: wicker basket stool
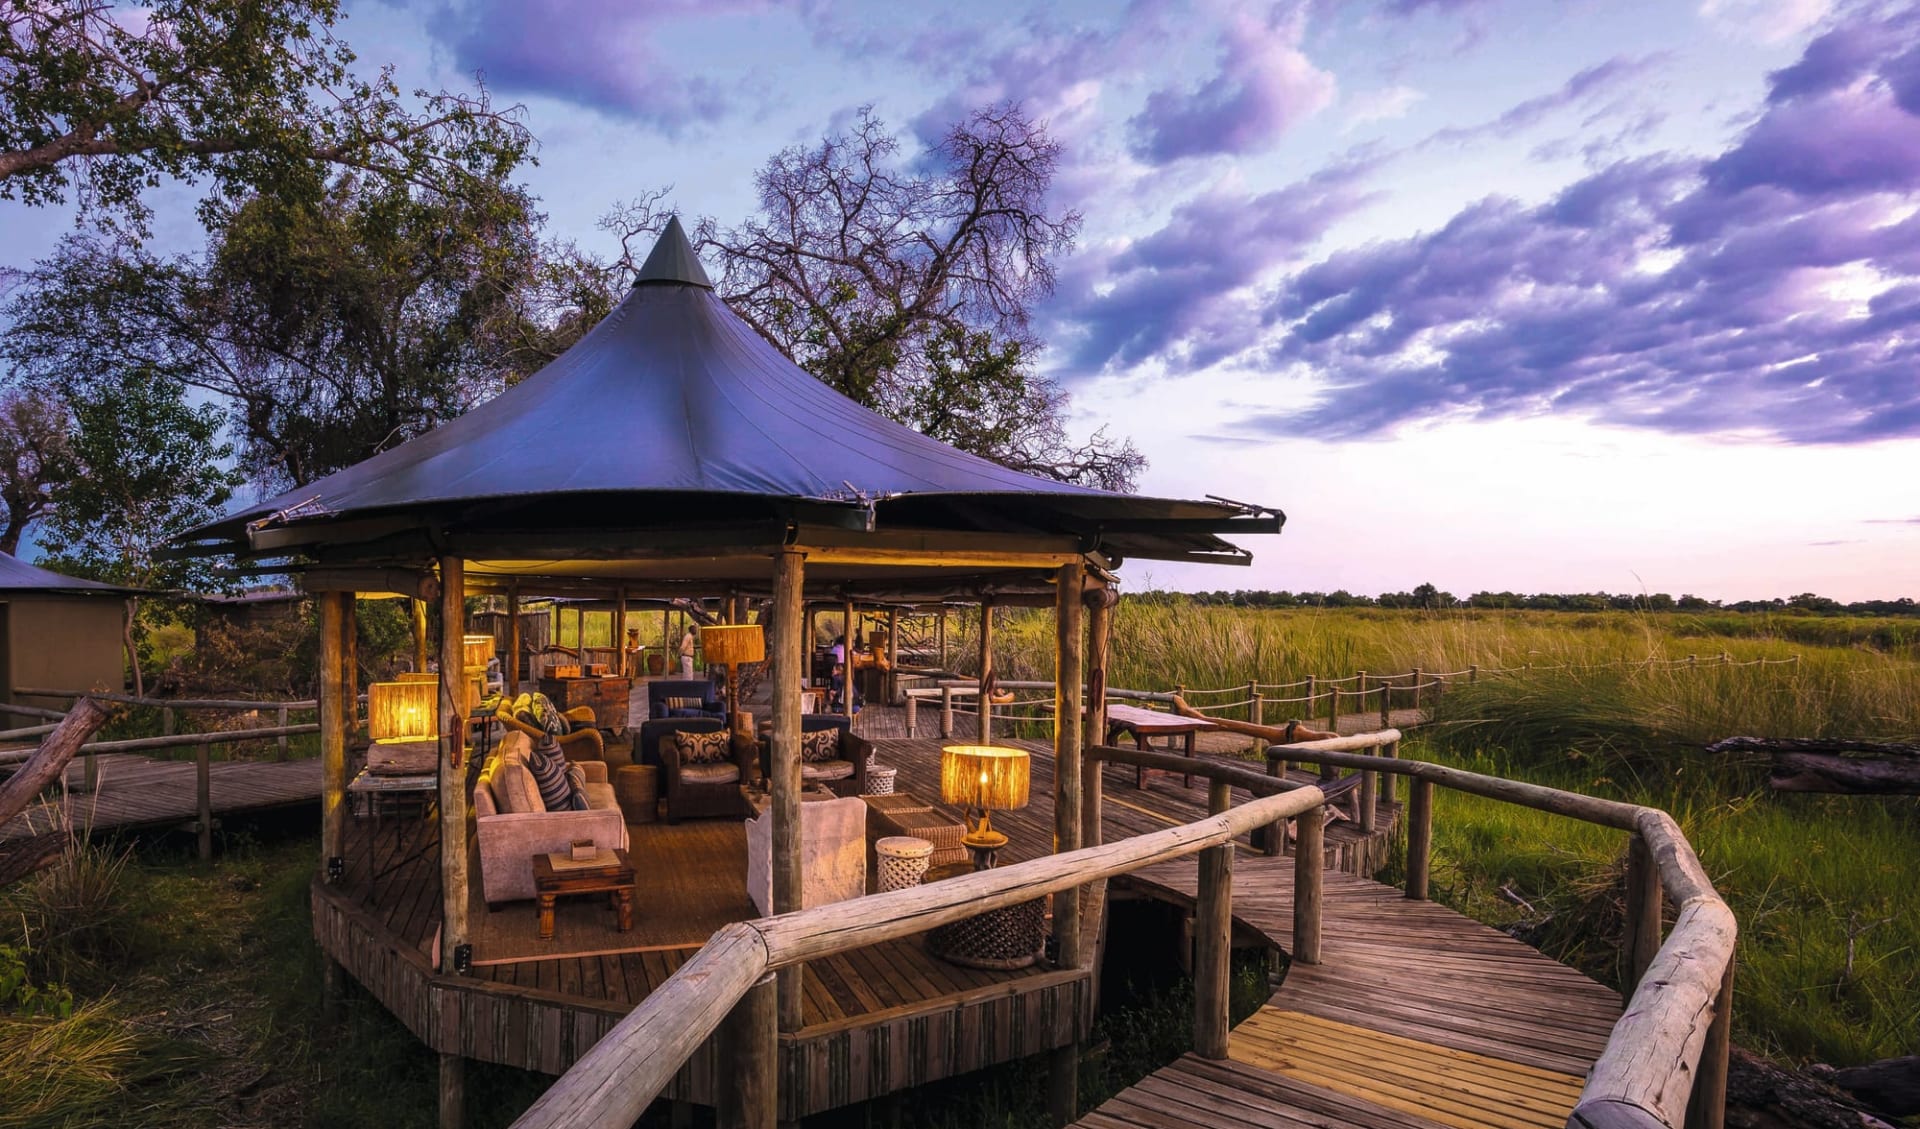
column 903, row 860
column 880, row 779
column 637, row 787
column 1010, row 937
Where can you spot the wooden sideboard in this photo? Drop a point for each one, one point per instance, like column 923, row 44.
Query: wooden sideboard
column 607, row 697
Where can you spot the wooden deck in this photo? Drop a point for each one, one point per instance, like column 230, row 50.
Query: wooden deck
column 1416, row 1018
column 137, row 791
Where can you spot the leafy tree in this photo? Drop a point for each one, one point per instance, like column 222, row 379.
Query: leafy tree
column 149, row 467
column 36, row 459
column 100, row 102
column 907, row 285
column 329, row 329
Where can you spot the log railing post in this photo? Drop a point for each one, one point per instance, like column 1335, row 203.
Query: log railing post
column 1386, row 705
column 1473, row 673
column 1258, row 711
column 280, row 720
column 1309, row 883
column 1390, row 785
column 1644, row 901
column 946, row 711
column 1416, row 687
column 749, row 1052
column 203, row 799
column 1333, row 707
column 1707, row 1108
column 913, row 715
column 1369, row 799
column 1276, row 832
column 1213, row 938
column 1419, row 836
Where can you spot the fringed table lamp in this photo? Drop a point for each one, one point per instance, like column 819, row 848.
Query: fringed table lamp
column 730, row 645
column 401, row 721
column 988, row 778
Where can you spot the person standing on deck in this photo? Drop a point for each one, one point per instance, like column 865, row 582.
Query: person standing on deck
column 686, row 654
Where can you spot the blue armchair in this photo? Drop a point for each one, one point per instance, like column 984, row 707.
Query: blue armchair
column 689, row 688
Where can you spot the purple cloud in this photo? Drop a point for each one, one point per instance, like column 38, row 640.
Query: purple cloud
column 1595, row 80
column 596, row 53
column 1178, row 294
column 1770, row 292
column 1265, row 85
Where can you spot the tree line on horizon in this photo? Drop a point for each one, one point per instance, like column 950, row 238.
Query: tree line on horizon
column 1427, row 597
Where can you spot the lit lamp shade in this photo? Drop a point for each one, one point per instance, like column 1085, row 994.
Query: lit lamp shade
column 988, row 777
column 733, row 644
column 478, row 650
column 402, row 711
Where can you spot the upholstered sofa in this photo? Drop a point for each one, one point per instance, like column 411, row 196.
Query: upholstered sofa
column 833, row 854
column 844, row 774
column 695, row 790
column 684, row 688
column 511, row 824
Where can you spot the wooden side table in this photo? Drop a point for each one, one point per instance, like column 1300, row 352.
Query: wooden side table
column 615, row 879
column 1005, row 938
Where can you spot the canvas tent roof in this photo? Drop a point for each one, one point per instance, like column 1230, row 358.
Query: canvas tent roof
column 17, row 575
column 673, row 413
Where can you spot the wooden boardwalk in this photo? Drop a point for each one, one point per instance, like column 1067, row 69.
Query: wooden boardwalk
column 1416, row 1018
column 137, row 791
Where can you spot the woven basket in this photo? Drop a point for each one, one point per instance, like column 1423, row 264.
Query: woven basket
column 1011, row 937
column 903, row 861
column 880, row 780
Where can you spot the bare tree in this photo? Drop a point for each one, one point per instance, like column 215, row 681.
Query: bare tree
column 36, row 458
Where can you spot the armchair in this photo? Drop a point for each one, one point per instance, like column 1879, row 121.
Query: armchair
column 659, row 691
column 583, row 744
column 695, row 790
column 844, row 775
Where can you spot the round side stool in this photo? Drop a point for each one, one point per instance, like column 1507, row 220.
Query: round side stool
column 880, row 779
column 637, row 787
column 903, row 861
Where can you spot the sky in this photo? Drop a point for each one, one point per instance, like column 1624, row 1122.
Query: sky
column 1492, row 294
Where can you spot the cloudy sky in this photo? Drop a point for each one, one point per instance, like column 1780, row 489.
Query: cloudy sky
column 1496, row 294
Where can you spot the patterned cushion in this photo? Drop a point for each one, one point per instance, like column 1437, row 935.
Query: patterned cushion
column 825, row 770
column 540, row 712
column 684, row 703
column 819, row 745
column 549, row 770
column 726, row 772
column 703, row 748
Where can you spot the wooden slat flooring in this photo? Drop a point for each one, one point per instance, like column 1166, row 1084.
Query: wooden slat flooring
column 137, row 791
column 1415, row 1017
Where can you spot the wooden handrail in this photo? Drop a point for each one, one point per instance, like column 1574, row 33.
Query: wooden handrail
column 612, row 1084
column 1672, row 1037
column 172, row 703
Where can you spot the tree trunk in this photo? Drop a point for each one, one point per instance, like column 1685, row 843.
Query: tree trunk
column 36, row 774
column 1891, row 1085
column 1763, row 1095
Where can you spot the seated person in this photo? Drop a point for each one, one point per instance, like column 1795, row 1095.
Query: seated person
column 838, row 701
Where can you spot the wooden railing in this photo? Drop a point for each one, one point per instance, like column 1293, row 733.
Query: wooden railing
column 728, row 987
column 1665, row 1063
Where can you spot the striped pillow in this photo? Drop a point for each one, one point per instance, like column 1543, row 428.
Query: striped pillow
column 550, row 773
column 684, row 703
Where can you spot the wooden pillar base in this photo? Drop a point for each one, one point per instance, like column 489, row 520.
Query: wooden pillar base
column 453, row 1092
column 1063, row 1085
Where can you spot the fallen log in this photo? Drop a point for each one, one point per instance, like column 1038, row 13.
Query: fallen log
column 1811, row 764
column 1891, row 1086
column 1765, row 1095
column 49, row 761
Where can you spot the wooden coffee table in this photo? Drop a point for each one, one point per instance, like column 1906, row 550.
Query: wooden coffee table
column 614, row 879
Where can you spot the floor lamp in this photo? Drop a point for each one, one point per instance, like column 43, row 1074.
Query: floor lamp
column 730, row 645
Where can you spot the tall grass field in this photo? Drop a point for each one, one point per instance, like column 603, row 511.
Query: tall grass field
column 1608, row 704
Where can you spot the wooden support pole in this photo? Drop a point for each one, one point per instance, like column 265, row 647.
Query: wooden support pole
column 203, row 799
column 1419, row 836
column 892, row 680
column 1369, row 800
column 512, row 673
column 620, row 630
column 986, row 672
column 453, row 769
column 788, row 655
column 350, row 663
column 1093, row 903
column 1069, row 663
column 1707, row 1108
column 847, row 673
column 453, row 1092
column 749, row 1046
column 946, row 711
column 940, row 633
column 166, row 719
column 1213, row 938
column 1309, row 883
column 1275, row 833
column 1644, row 903
column 1390, row 782
column 333, row 736
column 419, row 614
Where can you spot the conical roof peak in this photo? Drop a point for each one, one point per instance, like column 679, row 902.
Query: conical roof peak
column 672, row 259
